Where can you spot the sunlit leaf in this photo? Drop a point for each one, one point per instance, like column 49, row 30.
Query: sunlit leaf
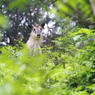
column 4, row 21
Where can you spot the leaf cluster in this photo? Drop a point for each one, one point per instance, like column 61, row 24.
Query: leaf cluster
column 67, row 71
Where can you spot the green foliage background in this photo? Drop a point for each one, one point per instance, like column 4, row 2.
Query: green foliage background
column 62, row 68
column 64, row 71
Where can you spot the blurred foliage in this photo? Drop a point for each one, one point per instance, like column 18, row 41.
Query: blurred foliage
column 20, row 4
column 79, row 11
column 21, row 13
column 4, row 21
column 66, row 70
column 66, row 66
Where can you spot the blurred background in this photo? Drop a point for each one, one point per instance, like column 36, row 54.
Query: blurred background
column 58, row 16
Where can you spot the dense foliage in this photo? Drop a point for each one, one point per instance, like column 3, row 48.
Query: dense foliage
column 83, row 12
column 66, row 71
column 67, row 64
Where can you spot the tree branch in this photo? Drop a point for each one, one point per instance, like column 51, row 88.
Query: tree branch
column 93, row 6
